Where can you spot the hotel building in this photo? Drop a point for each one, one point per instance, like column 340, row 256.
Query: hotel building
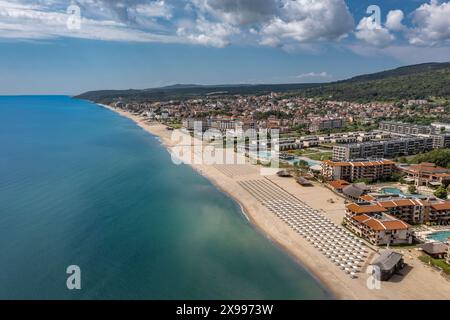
column 318, row 124
column 357, row 170
column 405, row 128
column 412, row 211
column 441, row 141
column 427, row 174
column 371, row 222
column 383, row 149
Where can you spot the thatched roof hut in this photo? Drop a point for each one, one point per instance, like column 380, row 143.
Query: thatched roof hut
column 303, row 182
column 284, row 174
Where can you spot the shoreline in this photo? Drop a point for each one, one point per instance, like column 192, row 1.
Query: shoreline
column 331, row 278
column 244, row 211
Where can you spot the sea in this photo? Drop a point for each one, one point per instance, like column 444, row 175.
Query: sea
column 92, row 207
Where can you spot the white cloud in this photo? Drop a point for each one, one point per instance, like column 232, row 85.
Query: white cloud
column 431, row 24
column 208, row 33
column 291, row 24
column 238, row 12
column 394, row 20
column 19, row 20
column 308, row 21
column 376, row 35
column 322, row 74
column 155, row 9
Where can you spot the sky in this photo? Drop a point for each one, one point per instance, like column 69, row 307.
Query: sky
column 69, row 47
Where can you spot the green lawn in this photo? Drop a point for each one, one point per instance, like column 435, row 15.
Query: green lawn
column 436, row 262
column 320, row 156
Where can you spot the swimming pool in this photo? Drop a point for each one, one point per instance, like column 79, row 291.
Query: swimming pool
column 268, row 155
column 393, row 191
column 439, row 236
column 399, row 192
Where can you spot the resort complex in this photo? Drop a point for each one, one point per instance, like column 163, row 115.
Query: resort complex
column 226, row 155
column 387, row 204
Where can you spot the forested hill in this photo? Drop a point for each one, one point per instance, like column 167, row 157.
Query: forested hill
column 420, row 81
column 188, row 91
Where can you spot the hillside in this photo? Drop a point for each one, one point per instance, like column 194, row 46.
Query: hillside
column 420, row 81
column 187, row 91
column 412, row 82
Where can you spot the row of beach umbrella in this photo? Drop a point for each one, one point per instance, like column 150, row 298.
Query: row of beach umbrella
column 337, row 244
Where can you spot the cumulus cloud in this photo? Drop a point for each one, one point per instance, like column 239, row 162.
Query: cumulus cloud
column 216, row 23
column 308, row 20
column 239, row 12
column 376, row 35
column 290, row 24
column 394, row 20
column 281, row 22
column 205, row 32
column 431, row 23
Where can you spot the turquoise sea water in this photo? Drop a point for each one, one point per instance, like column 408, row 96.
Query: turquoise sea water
column 80, row 185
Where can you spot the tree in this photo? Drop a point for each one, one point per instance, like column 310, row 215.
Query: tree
column 301, row 167
column 441, row 192
column 403, row 160
column 412, row 189
column 303, row 164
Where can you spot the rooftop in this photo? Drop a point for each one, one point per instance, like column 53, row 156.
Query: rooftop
column 434, row 247
column 366, row 208
column 367, row 163
column 338, row 184
column 388, row 260
column 428, row 168
column 381, row 222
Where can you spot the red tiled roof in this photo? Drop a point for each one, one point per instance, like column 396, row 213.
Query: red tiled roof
column 353, row 207
column 360, row 218
column 379, row 225
column 399, row 203
column 441, row 206
column 395, row 225
column 427, row 167
column 375, row 225
column 367, row 197
column 338, row 184
column 358, row 164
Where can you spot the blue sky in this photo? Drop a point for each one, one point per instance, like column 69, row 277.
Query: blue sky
column 47, row 48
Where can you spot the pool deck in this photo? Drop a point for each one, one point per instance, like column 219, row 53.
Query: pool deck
column 423, row 235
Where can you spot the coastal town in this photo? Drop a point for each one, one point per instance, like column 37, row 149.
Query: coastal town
column 362, row 184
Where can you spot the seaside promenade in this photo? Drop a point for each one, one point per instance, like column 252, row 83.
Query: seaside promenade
column 307, row 226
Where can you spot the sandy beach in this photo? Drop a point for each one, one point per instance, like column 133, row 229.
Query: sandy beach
column 418, row 282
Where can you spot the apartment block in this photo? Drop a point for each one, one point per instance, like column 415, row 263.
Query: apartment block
column 324, row 123
column 223, row 124
column 192, row 124
column 405, row 128
column 356, row 170
column 371, row 222
column 441, row 141
column 383, row 149
column 412, row 211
